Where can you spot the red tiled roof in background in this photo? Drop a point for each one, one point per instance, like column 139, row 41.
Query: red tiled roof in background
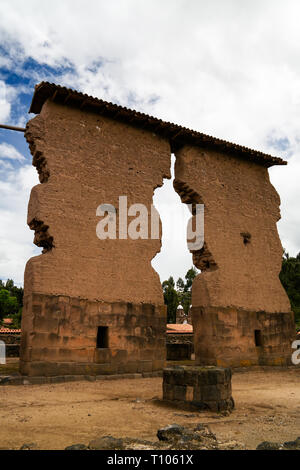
column 8, row 330
column 177, row 135
column 177, row 328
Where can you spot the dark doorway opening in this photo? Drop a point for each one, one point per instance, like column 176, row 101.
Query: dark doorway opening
column 258, row 337
column 102, row 337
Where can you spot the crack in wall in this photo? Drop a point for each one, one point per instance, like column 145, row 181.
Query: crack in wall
column 187, row 194
column 38, row 159
column 42, row 238
column 34, row 131
column 203, row 258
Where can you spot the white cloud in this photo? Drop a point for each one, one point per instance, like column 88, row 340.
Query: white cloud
column 10, row 152
column 5, row 166
column 227, row 68
column 16, row 238
column 286, row 181
column 5, row 102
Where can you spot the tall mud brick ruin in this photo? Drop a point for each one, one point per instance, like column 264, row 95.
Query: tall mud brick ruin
column 96, row 306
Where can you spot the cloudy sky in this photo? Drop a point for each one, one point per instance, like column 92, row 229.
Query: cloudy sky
column 229, row 68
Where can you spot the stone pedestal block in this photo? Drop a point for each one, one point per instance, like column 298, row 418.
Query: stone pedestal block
column 204, row 387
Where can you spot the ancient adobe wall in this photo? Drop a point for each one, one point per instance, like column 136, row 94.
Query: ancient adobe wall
column 241, row 313
column 80, row 282
column 96, row 306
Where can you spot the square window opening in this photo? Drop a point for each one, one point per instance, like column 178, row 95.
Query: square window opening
column 102, row 337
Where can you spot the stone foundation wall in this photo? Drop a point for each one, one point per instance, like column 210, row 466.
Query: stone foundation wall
column 62, row 337
column 235, row 337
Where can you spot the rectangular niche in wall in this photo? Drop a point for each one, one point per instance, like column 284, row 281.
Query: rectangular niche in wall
column 102, row 337
column 258, row 337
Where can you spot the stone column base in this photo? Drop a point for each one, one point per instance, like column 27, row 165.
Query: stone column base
column 207, row 388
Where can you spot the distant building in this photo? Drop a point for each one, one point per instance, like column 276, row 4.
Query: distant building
column 181, row 317
column 11, row 338
column 179, row 342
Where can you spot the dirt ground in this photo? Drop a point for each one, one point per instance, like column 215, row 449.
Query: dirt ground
column 59, row 415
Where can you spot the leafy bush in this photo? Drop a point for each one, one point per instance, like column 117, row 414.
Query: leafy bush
column 11, row 302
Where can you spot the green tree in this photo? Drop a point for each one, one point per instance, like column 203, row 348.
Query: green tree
column 15, row 291
column 171, row 299
column 180, row 284
column 185, row 293
column 17, row 319
column 8, row 304
column 185, row 298
column 290, row 279
column 181, row 294
column 189, row 277
column 11, row 302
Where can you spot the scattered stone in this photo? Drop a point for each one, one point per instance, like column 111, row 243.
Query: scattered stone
column 176, row 437
column 171, row 437
column 189, row 436
column 231, row 445
column 138, row 444
column 199, row 427
column 31, row 446
column 292, row 445
column 106, row 443
column 77, row 447
column 170, row 432
column 266, row 445
column 205, row 432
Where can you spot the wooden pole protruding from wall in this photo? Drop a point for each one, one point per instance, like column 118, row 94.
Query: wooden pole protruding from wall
column 12, row 128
